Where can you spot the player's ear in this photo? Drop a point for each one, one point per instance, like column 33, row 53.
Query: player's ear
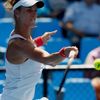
column 16, row 13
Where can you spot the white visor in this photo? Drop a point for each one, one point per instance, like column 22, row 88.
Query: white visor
column 28, row 3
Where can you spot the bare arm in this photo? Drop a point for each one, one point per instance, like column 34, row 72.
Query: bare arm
column 40, row 55
column 44, row 38
column 49, row 59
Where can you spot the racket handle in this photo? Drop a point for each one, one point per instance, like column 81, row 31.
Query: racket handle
column 72, row 54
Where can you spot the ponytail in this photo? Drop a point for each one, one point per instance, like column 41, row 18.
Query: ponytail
column 9, row 4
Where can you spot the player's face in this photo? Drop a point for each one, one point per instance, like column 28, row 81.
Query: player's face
column 27, row 16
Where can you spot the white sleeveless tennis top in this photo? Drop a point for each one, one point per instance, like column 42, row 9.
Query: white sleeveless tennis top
column 21, row 79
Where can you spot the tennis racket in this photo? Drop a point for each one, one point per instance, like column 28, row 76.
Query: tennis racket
column 71, row 58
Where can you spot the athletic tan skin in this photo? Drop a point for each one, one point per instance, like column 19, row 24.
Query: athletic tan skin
column 19, row 50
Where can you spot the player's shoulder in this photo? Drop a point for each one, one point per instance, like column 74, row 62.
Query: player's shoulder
column 21, row 43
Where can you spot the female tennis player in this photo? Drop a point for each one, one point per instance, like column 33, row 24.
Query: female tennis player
column 24, row 58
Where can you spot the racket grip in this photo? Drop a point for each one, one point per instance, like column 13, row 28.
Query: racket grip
column 72, row 53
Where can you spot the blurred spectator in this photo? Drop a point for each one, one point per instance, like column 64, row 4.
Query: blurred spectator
column 94, row 75
column 57, row 8
column 53, row 8
column 94, row 54
column 71, row 1
column 82, row 19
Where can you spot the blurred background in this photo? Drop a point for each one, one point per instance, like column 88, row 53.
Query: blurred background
column 78, row 24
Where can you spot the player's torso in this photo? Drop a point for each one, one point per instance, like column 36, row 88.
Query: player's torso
column 21, row 80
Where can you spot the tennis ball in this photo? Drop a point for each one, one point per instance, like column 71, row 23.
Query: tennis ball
column 97, row 64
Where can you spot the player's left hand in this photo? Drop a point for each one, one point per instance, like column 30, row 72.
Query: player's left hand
column 47, row 35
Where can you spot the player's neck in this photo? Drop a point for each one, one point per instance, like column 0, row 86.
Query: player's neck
column 26, row 34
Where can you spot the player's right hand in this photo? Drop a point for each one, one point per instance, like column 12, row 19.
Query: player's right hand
column 69, row 49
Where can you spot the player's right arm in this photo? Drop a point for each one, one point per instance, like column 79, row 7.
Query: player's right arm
column 38, row 54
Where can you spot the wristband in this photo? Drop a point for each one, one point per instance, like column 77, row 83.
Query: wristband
column 39, row 41
column 62, row 52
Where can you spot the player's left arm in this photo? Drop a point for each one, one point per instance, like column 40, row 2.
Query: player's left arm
column 41, row 40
